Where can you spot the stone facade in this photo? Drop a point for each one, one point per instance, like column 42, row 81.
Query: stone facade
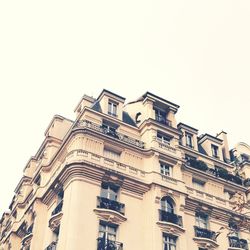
column 128, row 177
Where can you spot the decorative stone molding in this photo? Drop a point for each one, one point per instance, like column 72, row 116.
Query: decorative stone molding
column 110, row 215
column 170, row 228
column 27, row 240
column 55, row 221
column 205, row 243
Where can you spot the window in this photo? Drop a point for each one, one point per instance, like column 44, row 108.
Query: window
column 109, row 191
column 201, row 220
column 234, row 229
column 37, row 181
column 199, row 185
column 166, row 169
column 214, row 151
column 189, row 140
column 160, row 116
column 112, row 108
column 111, row 154
column 169, row 242
column 163, row 138
column 167, row 204
column 109, row 129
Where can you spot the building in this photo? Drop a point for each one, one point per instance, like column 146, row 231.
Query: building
column 128, row 177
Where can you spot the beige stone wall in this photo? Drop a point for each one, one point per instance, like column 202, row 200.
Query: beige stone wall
column 78, row 159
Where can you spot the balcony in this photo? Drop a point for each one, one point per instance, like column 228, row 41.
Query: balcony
column 111, row 133
column 56, row 217
column 170, row 222
column 170, row 217
column 104, row 244
column 236, row 243
column 110, row 210
column 110, row 204
column 51, row 246
column 58, row 208
column 204, row 237
column 204, row 233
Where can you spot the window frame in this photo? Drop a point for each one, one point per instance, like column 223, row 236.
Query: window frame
column 112, row 108
column 166, row 169
column 189, row 140
column 215, row 150
column 112, row 191
column 198, row 185
column 201, row 220
column 169, row 242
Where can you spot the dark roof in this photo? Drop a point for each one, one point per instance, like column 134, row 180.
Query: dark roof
column 162, row 99
column 208, row 135
column 109, row 92
column 96, row 106
column 201, row 150
column 183, row 124
column 127, row 119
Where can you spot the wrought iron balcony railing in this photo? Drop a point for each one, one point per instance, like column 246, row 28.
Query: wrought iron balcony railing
column 51, row 246
column 58, row 208
column 30, row 229
column 105, row 244
column 204, row 233
column 109, row 132
column 170, row 217
column 110, row 204
column 238, row 243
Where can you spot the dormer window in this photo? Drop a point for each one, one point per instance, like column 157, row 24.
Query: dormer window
column 189, row 140
column 214, row 151
column 160, row 116
column 112, row 108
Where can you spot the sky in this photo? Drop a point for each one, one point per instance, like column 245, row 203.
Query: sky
column 194, row 53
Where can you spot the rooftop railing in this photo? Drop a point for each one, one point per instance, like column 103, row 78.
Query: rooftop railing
column 219, row 172
column 109, row 132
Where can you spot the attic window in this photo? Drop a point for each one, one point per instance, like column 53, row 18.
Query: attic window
column 112, row 108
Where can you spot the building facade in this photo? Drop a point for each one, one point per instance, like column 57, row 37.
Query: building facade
column 128, row 177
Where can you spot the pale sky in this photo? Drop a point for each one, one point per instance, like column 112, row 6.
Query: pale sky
column 195, row 53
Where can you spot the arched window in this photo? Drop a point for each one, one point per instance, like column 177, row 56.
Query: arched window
column 167, row 204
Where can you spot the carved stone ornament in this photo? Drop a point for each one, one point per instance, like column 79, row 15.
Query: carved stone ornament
column 110, row 215
column 170, row 228
column 55, row 221
column 206, row 243
column 27, row 240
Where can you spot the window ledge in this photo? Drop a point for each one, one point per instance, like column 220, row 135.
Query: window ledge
column 110, row 215
column 55, row 221
column 171, row 228
column 206, row 243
